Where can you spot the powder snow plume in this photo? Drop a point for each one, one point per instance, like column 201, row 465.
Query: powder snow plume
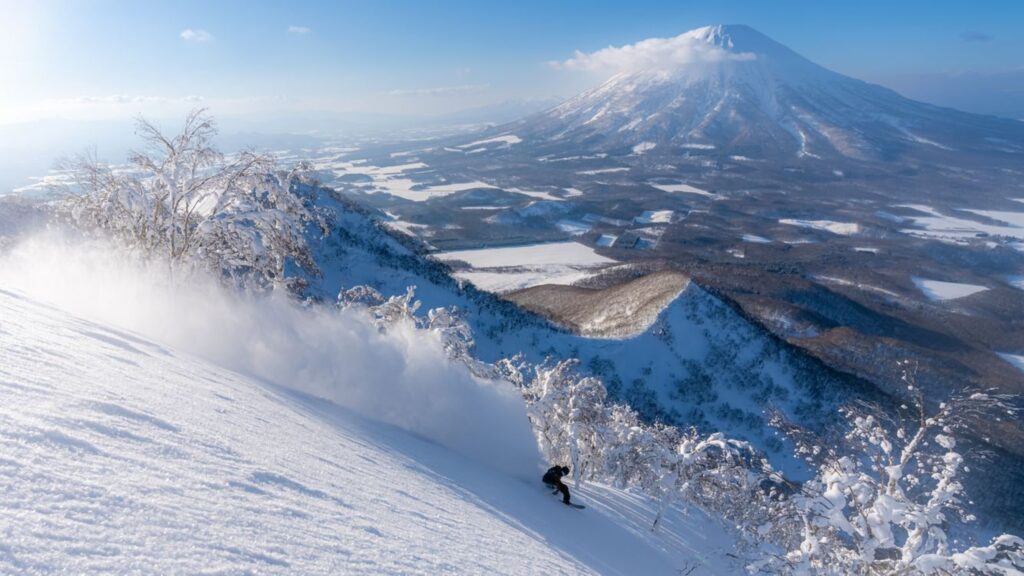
column 402, row 377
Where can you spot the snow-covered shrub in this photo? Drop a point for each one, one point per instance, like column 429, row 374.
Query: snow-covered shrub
column 609, row 443
column 360, row 296
column 182, row 200
column 884, row 498
column 455, row 333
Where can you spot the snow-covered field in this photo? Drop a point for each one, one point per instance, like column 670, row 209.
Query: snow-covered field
column 682, row 188
column 542, row 195
column 126, row 454
column 507, row 140
column 643, row 147
column 410, row 228
column 603, row 171
column 574, row 227
column 840, row 228
column 655, row 217
column 392, row 180
column 512, row 268
column 954, row 229
column 937, row 290
column 858, row 285
column 1014, row 219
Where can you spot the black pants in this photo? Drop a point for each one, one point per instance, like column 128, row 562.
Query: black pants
column 561, row 487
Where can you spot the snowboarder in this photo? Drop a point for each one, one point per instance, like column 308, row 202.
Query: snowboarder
column 553, row 478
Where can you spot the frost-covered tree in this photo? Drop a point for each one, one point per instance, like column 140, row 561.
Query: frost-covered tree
column 567, row 412
column 396, row 309
column 609, row 443
column 884, row 499
column 360, row 296
column 182, row 200
column 455, row 333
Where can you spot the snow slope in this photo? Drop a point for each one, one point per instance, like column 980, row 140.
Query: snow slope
column 121, row 454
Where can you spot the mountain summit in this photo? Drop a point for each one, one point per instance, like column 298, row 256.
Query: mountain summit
column 735, row 90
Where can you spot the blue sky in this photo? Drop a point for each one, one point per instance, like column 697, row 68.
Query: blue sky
column 90, row 59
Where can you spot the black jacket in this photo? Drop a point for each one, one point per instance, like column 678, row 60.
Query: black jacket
column 553, row 475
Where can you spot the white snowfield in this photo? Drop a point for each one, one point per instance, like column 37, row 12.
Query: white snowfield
column 682, row 189
column 643, row 147
column 937, row 290
column 507, row 140
column 121, row 455
column 954, row 229
column 542, row 195
column 392, row 180
column 839, row 228
column 655, row 217
column 512, row 268
column 603, row 171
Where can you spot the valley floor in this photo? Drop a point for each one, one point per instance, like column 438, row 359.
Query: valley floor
column 120, row 455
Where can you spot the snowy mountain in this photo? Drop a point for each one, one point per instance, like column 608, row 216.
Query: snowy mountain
column 741, row 93
column 125, row 454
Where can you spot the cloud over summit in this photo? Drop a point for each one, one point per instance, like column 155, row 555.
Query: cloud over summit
column 652, row 53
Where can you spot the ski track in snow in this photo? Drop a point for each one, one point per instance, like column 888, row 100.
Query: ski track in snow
column 121, row 455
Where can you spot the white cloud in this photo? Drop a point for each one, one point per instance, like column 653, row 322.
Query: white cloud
column 197, row 35
column 653, row 53
column 440, row 90
column 299, row 30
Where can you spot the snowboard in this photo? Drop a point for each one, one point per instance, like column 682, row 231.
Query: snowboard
column 576, row 506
